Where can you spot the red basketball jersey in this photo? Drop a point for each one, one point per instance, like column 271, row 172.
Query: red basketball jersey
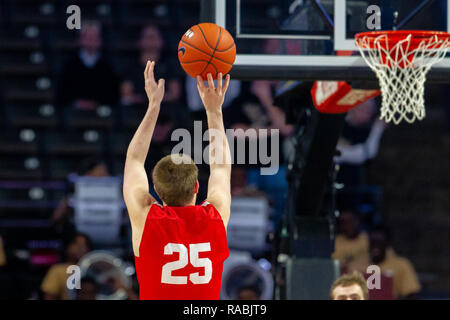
column 181, row 253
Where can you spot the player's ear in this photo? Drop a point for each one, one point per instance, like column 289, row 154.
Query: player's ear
column 196, row 187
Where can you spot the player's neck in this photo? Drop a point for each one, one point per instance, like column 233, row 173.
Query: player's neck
column 191, row 203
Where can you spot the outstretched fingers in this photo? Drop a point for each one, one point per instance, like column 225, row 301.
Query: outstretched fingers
column 227, row 82
column 210, row 81
column 149, row 74
column 219, row 82
column 200, row 83
column 147, row 66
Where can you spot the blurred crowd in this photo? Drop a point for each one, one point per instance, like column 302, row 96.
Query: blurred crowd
column 362, row 242
column 90, row 80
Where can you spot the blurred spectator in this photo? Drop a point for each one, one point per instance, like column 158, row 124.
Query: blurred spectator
column 62, row 215
column 406, row 283
column 54, row 285
column 359, row 143
column 152, row 47
column 350, row 287
column 88, row 290
column 351, row 244
column 265, row 91
column 194, row 103
column 2, row 253
column 254, row 109
column 87, row 79
column 161, row 143
column 239, row 184
column 249, row 293
column 117, row 284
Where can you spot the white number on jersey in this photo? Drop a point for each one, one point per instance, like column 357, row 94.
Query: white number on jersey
column 194, row 250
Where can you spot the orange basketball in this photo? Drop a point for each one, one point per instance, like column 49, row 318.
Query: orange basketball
column 206, row 48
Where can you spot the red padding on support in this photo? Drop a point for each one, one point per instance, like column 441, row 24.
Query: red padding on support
column 338, row 96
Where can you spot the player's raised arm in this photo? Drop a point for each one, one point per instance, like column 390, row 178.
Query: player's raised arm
column 135, row 185
column 219, row 193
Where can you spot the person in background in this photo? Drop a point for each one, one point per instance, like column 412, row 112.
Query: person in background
column 359, row 143
column 117, row 284
column 54, row 285
column 2, row 253
column 254, row 109
column 264, row 90
column 406, row 284
column 152, row 48
column 249, row 293
column 87, row 79
column 88, row 289
column 62, row 215
column 194, row 103
column 351, row 244
column 350, row 287
column 240, row 187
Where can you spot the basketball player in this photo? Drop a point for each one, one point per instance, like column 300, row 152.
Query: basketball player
column 179, row 247
column 350, row 287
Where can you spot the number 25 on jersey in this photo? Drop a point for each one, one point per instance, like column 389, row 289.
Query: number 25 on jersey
column 194, row 250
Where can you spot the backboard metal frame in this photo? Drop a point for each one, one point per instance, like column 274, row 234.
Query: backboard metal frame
column 340, row 40
column 312, row 67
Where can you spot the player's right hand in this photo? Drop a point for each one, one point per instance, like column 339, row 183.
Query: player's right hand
column 212, row 97
column 154, row 90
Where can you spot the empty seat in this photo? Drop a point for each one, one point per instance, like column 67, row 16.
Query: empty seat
column 87, row 142
column 188, row 13
column 119, row 141
column 42, row 116
column 21, row 168
column 31, row 195
column 13, row 96
column 60, row 167
column 22, row 32
column 20, row 142
column 101, row 10
column 144, row 11
column 101, row 118
column 22, row 57
column 118, row 165
column 33, row 11
column 131, row 117
column 33, row 88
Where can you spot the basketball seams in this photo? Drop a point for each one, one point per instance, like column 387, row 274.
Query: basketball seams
column 206, row 39
column 193, row 61
column 212, row 56
column 207, row 43
column 225, row 50
column 192, row 46
column 213, row 67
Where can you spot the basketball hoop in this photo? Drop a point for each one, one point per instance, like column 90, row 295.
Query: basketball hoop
column 401, row 61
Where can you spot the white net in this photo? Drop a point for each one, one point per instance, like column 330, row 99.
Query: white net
column 401, row 69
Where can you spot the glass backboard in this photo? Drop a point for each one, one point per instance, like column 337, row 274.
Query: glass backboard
column 314, row 39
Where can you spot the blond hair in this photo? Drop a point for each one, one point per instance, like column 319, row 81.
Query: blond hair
column 174, row 178
column 348, row 280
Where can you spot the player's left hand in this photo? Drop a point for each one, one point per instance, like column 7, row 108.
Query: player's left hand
column 211, row 96
column 154, row 90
